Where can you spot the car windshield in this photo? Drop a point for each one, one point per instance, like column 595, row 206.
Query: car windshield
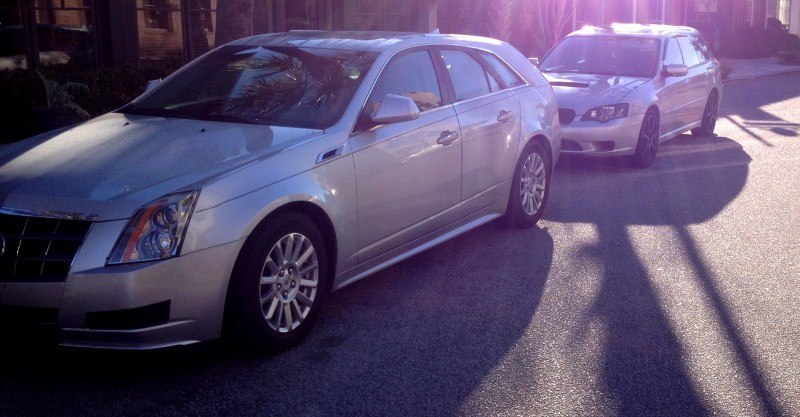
column 604, row 55
column 284, row 86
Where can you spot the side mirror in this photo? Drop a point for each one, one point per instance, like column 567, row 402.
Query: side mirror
column 534, row 61
column 676, row 70
column 151, row 85
column 395, row 109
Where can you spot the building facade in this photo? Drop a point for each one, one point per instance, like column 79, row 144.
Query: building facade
column 36, row 33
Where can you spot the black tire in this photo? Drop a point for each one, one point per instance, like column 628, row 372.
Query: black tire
column 709, row 116
column 270, row 326
column 527, row 200
column 647, row 145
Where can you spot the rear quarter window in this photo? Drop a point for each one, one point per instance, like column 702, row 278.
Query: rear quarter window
column 509, row 77
column 703, row 51
column 467, row 75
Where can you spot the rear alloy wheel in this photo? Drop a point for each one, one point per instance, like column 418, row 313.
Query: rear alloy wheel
column 647, row 146
column 530, row 187
column 279, row 285
column 709, row 117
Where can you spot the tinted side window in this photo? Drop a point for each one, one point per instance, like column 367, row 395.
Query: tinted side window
column 411, row 75
column 510, row 78
column 673, row 54
column 689, row 53
column 468, row 76
column 702, row 48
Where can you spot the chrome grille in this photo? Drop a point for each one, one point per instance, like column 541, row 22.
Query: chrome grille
column 36, row 249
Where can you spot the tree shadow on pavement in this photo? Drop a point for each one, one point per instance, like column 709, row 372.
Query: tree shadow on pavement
column 414, row 339
column 746, row 106
column 742, row 100
column 692, row 181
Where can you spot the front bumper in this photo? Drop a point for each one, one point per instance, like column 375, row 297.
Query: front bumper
column 612, row 138
column 148, row 305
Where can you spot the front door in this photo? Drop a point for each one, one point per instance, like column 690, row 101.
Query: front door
column 408, row 174
column 674, row 93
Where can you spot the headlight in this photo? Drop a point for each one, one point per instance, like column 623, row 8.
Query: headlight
column 606, row 113
column 156, row 230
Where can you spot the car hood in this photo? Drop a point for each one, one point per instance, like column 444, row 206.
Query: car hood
column 582, row 92
column 108, row 167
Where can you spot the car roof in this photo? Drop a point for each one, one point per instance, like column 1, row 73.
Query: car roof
column 633, row 29
column 374, row 41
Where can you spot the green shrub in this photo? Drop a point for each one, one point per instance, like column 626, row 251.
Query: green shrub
column 62, row 96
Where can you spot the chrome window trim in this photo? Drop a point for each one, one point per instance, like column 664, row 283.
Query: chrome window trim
column 476, row 48
column 431, row 48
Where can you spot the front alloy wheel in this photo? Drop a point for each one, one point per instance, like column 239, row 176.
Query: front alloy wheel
column 278, row 285
column 289, row 282
column 647, row 146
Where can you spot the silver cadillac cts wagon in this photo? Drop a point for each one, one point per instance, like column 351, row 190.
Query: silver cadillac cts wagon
column 232, row 197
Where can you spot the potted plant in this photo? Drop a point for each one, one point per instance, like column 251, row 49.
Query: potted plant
column 61, row 109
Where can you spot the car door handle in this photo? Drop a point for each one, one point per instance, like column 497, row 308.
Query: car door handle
column 505, row 116
column 447, row 137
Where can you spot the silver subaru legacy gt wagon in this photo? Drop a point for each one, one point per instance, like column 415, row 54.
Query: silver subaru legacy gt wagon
column 625, row 88
column 232, row 197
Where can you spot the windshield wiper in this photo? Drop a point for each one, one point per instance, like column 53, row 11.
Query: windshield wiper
column 225, row 118
column 561, row 70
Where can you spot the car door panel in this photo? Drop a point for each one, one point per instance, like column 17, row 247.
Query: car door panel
column 489, row 127
column 489, row 119
column 406, row 180
column 672, row 92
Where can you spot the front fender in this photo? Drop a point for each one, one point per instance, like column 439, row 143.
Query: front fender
column 330, row 186
column 541, row 105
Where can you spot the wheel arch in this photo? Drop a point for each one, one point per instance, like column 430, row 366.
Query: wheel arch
column 317, row 215
column 237, row 329
column 716, row 90
column 541, row 139
column 323, row 222
column 314, row 212
column 657, row 109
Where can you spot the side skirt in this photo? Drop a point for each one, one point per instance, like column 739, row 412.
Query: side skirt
column 417, row 246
